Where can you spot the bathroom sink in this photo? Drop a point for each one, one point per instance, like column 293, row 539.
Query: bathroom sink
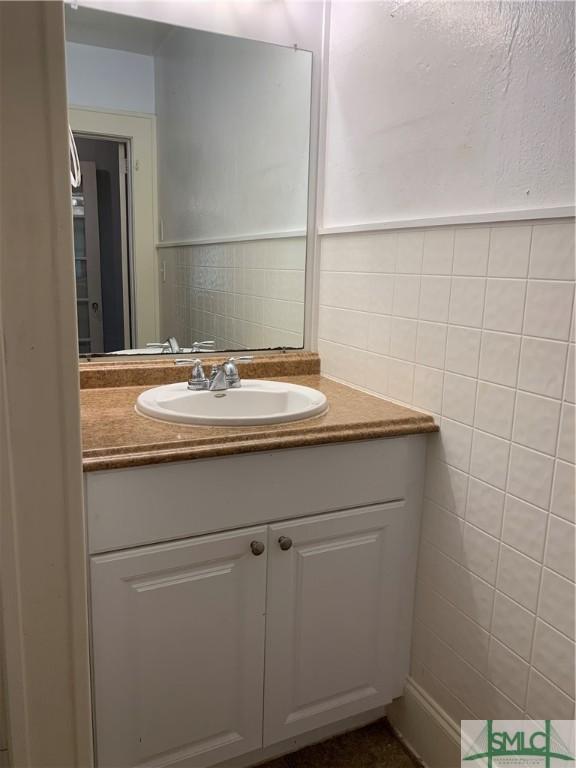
column 255, row 402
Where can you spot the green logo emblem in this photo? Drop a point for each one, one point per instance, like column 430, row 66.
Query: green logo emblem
column 518, row 743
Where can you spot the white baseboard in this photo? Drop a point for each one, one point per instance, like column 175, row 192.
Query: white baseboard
column 425, row 728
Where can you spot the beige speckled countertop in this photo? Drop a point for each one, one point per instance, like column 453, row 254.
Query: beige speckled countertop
column 115, row 436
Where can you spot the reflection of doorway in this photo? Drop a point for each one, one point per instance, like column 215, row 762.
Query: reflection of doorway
column 101, row 246
column 138, row 133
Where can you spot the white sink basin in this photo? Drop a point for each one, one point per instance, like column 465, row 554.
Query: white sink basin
column 254, row 402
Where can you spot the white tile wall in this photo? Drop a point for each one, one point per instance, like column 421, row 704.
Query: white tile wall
column 475, row 324
column 240, row 295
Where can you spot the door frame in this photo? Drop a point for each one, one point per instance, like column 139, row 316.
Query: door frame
column 139, row 130
column 92, row 254
column 43, row 592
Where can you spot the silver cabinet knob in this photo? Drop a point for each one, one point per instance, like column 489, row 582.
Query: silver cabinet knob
column 285, row 542
column 257, row 547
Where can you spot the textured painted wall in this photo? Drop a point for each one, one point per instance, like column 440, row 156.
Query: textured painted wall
column 445, row 108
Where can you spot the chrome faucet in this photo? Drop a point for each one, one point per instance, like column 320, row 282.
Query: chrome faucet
column 200, row 346
column 223, row 376
column 226, row 376
column 170, row 345
column 218, row 380
column 197, row 380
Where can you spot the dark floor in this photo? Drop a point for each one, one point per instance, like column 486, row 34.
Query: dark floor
column 374, row 746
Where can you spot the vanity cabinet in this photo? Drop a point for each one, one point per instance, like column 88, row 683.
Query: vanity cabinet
column 214, row 646
column 329, row 638
column 178, row 650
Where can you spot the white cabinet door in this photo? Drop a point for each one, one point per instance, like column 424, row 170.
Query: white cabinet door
column 178, row 649
column 332, row 618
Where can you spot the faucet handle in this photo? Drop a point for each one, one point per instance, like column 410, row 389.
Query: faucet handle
column 202, row 346
column 231, row 369
column 158, row 344
column 170, row 345
column 197, row 380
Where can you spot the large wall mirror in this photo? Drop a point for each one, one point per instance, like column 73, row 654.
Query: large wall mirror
column 190, row 219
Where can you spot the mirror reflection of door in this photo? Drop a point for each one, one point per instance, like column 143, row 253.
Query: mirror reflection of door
column 101, row 246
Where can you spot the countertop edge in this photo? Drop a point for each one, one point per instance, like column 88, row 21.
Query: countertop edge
column 170, row 454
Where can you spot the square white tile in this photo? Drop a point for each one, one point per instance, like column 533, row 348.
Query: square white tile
column 410, row 251
column 570, row 383
column 428, row 388
column 525, row 528
column 536, row 421
column 484, row 507
column 378, row 333
column 446, row 486
column 489, row 460
column 548, row 309
column 438, row 251
column 556, row 604
column 560, row 547
column 519, row 577
column 566, row 442
column 499, row 357
column 375, row 373
column 456, row 443
column 459, row 398
column 359, row 252
column 553, row 656
column 471, row 251
column 434, row 298
column 542, row 366
column 463, row 350
column 431, row 344
column 504, row 308
column 552, row 252
column 479, row 553
column 495, row 409
column 545, row 700
column 406, row 295
column 403, row 338
column 513, row 625
column 508, row 672
column 564, row 491
column 509, row 251
column 400, row 380
column 530, row 476
column 343, row 326
column 442, row 529
column 467, row 301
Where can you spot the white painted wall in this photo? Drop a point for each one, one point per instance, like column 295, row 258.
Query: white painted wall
column 446, row 108
column 104, row 78
column 233, row 136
